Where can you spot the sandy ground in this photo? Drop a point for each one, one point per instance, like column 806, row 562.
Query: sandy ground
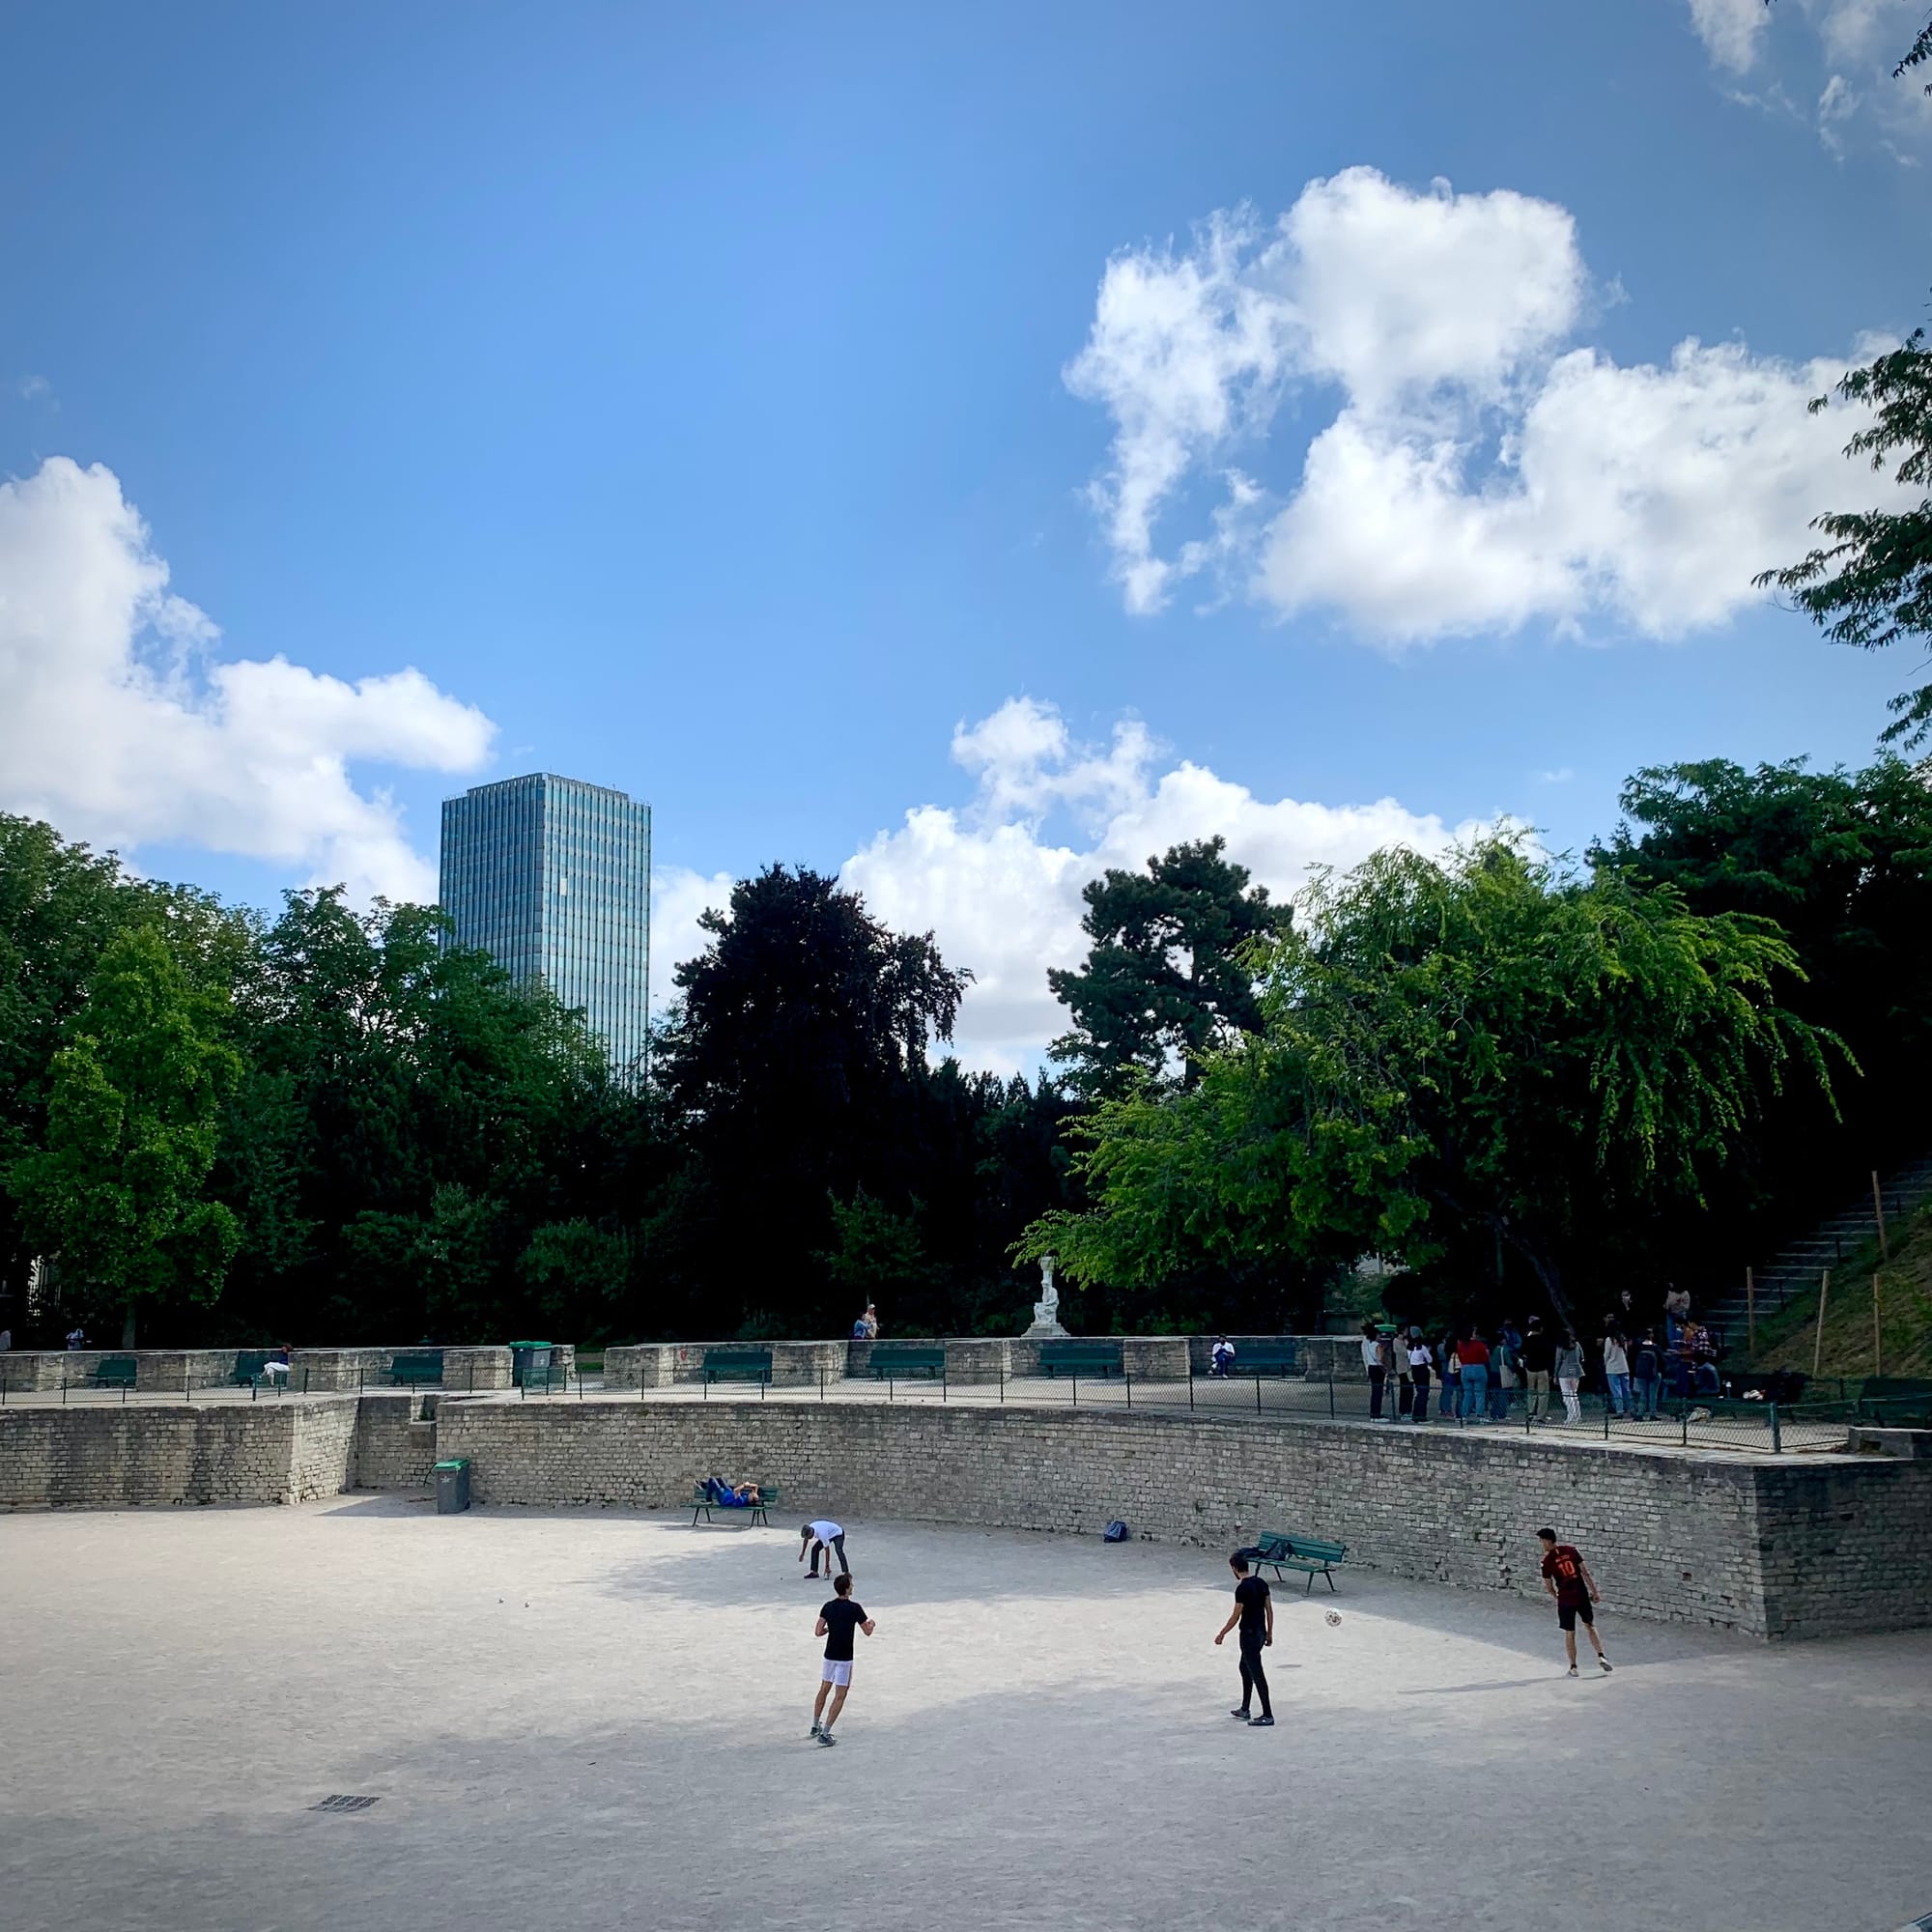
column 599, row 1720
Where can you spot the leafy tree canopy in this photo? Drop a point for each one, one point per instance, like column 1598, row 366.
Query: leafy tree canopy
column 1168, row 971
column 1458, row 1058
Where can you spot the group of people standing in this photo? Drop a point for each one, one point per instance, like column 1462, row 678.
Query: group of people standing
column 1477, row 1378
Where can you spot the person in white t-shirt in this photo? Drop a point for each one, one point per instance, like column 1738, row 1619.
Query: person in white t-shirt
column 1419, row 1360
column 822, row 1533
column 1375, row 1363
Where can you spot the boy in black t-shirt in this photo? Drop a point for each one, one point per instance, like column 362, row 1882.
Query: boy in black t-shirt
column 836, row 1621
column 1567, row 1577
column 1254, row 1611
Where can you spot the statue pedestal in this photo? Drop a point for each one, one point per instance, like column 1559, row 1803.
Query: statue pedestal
column 1045, row 1331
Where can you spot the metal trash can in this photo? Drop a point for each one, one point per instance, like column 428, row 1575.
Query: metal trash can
column 452, row 1486
column 530, row 1364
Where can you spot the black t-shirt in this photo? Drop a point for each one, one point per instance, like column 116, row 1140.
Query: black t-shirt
column 1251, row 1593
column 1539, row 1354
column 843, row 1616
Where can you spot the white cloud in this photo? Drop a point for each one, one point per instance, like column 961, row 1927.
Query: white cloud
column 1730, row 30
column 1004, row 900
column 678, row 895
column 1477, row 474
column 1847, row 50
column 119, row 725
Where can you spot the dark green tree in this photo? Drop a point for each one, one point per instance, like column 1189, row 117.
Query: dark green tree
column 116, row 1195
column 1167, row 974
column 794, row 1059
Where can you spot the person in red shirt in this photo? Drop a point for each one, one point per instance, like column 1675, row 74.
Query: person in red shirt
column 1473, row 1352
column 1567, row 1577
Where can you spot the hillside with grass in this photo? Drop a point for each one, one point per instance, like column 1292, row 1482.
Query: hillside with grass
column 1786, row 1338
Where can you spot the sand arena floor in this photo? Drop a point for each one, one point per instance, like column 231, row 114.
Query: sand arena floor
column 599, row 1720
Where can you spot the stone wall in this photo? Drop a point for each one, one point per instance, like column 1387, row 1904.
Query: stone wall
column 153, row 1452
column 659, row 1364
column 329, row 1371
column 395, row 1447
column 1761, row 1548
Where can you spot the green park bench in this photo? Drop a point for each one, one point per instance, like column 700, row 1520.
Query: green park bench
column 897, row 1359
column 116, row 1371
column 1080, row 1358
column 248, row 1366
column 701, row 1505
column 420, row 1368
column 1267, row 1358
column 737, row 1364
column 1310, row 1555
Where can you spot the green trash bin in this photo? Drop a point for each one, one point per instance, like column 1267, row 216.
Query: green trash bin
column 530, row 1364
column 452, row 1486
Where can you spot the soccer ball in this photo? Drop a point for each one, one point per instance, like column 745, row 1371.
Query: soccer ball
column 1334, row 1617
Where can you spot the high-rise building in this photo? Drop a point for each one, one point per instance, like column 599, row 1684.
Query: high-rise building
column 552, row 878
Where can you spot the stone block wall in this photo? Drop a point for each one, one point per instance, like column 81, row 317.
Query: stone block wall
column 659, row 1364
column 1671, row 1537
column 395, row 1448
column 153, row 1452
column 1845, row 1546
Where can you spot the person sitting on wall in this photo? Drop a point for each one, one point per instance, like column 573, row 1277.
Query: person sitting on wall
column 1223, row 1357
column 276, row 1370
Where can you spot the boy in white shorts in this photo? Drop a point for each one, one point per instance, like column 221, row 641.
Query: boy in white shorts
column 836, row 1621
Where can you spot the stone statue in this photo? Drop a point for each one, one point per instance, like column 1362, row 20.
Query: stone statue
column 1046, row 1310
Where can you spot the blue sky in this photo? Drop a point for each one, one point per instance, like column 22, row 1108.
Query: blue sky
column 716, row 403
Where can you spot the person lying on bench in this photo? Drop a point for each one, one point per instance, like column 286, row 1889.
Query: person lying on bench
column 731, row 1496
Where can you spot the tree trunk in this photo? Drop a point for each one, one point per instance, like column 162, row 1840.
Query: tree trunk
column 128, row 1327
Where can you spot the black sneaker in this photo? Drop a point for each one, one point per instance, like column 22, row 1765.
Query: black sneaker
column 826, row 1738
column 816, row 1727
column 1241, row 1712
column 1256, row 1724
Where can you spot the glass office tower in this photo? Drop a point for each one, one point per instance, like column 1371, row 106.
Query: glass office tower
column 552, row 877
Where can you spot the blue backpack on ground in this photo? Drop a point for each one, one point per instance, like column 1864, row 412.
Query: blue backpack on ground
column 1114, row 1532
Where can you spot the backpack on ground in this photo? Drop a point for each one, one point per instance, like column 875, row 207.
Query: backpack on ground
column 1114, row 1532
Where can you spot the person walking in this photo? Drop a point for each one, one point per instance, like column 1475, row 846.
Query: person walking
column 1648, row 1365
column 1254, row 1611
column 1570, row 1376
column 1616, row 1372
column 1539, row 1354
column 1376, row 1362
column 1473, row 1352
column 836, row 1621
column 822, row 1534
column 1419, row 1361
column 1567, row 1577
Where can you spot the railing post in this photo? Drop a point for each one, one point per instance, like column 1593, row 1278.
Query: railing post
column 1190, row 1380
column 1776, row 1431
column 1126, row 1375
column 1076, row 1388
column 1001, row 1365
column 1331, row 1393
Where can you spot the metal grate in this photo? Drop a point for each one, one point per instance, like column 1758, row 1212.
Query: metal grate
column 336, row 1802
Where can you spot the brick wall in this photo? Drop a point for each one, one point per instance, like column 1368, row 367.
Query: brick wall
column 1671, row 1537
column 395, row 1449
column 151, row 1452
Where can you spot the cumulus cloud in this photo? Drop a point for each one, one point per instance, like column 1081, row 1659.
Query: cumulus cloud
column 118, row 725
column 1003, row 897
column 1730, row 30
column 679, row 896
column 1480, row 471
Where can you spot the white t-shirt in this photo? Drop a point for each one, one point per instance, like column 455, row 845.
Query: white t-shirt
column 1418, row 1357
column 1616, row 1359
column 826, row 1531
column 1372, row 1352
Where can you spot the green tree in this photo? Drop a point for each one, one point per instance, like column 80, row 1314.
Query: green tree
column 118, row 1194
column 1842, row 861
column 1460, row 1061
column 1167, row 974
column 795, row 1066
column 1871, row 584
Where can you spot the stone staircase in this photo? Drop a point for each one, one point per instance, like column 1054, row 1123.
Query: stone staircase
column 1794, row 1270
